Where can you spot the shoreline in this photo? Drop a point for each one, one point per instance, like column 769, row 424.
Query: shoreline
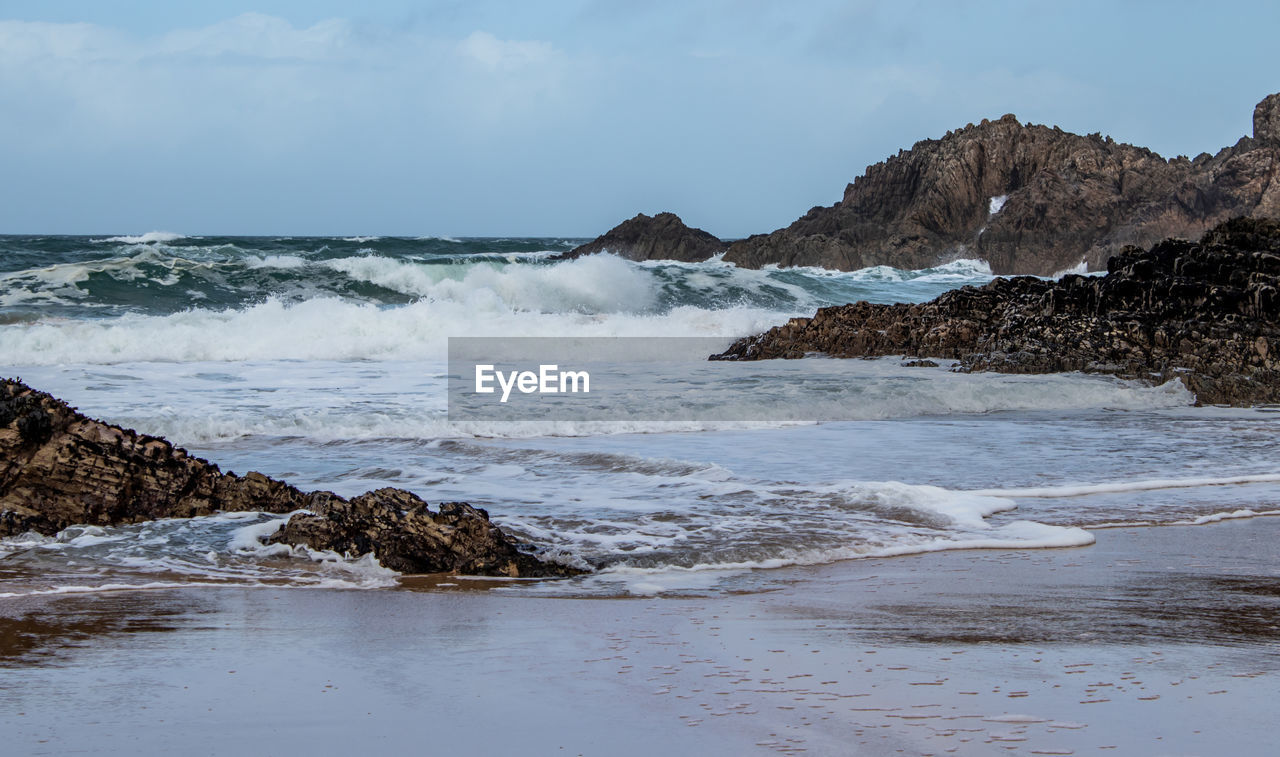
column 1153, row 640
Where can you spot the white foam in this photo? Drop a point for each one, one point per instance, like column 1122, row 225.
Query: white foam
column 85, row 536
column 365, row 570
column 1202, row 520
column 251, row 538
column 192, row 402
column 151, row 237
column 1018, row 535
column 23, row 542
column 598, row 295
column 1233, row 515
column 100, row 588
column 965, row 509
column 57, row 282
column 848, row 520
column 1079, row 269
column 364, row 574
column 223, row 549
column 331, row 328
column 276, row 261
column 996, row 204
column 961, row 269
column 1083, row 490
column 593, row 284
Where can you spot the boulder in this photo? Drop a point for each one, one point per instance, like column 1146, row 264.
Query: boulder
column 406, row 536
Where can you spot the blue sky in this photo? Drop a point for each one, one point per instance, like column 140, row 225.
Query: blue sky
column 563, row 118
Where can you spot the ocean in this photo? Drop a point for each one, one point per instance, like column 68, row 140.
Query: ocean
column 323, row 362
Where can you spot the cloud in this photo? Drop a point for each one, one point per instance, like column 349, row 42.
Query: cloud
column 259, row 36
column 494, row 53
column 259, row 109
column 257, row 79
column 483, row 117
column 34, row 41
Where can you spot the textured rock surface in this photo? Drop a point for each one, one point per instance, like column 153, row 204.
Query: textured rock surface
column 660, row 237
column 59, row 468
column 1266, row 121
column 1208, row 313
column 408, row 537
column 1066, row 199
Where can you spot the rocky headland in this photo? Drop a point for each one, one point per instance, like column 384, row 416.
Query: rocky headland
column 659, row 237
column 1028, row 199
column 59, row 468
column 1207, row 313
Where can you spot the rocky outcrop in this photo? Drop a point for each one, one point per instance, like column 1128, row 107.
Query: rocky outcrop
column 406, row 536
column 1266, row 122
column 59, row 468
column 1028, row 199
column 1206, row 313
column 660, row 237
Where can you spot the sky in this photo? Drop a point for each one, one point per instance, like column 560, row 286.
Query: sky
column 565, row 117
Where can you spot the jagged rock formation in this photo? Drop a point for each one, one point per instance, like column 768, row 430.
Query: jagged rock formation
column 59, row 468
column 660, row 237
column 1027, row 199
column 1266, row 122
column 1207, row 313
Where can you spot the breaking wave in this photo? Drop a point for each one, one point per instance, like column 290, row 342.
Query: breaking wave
column 151, row 237
column 172, row 298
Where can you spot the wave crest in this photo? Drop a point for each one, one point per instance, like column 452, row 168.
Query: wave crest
column 151, row 237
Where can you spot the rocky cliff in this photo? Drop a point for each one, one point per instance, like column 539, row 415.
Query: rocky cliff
column 59, row 468
column 1206, row 313
column 660, row 237
column 1028, row 199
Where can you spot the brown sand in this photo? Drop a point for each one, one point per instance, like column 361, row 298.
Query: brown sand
column 1153, row 641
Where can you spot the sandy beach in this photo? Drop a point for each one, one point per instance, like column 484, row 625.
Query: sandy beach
column 1153, row 641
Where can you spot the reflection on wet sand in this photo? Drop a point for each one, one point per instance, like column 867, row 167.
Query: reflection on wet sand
column 1154, row 639
column 47, row 630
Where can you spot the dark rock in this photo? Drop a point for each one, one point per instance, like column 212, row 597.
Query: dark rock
column 1266, row 121
column 59, row 468
column 1206, row 313
column 919, row 364
column 660, row 237
column 408, row 537
column 1067, row 199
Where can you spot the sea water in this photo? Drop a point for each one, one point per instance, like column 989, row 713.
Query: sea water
column 322, row 361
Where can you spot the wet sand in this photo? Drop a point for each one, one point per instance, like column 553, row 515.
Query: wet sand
column 1153, row 641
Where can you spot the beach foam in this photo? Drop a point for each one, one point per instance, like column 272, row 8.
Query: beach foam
column 1081, row 490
